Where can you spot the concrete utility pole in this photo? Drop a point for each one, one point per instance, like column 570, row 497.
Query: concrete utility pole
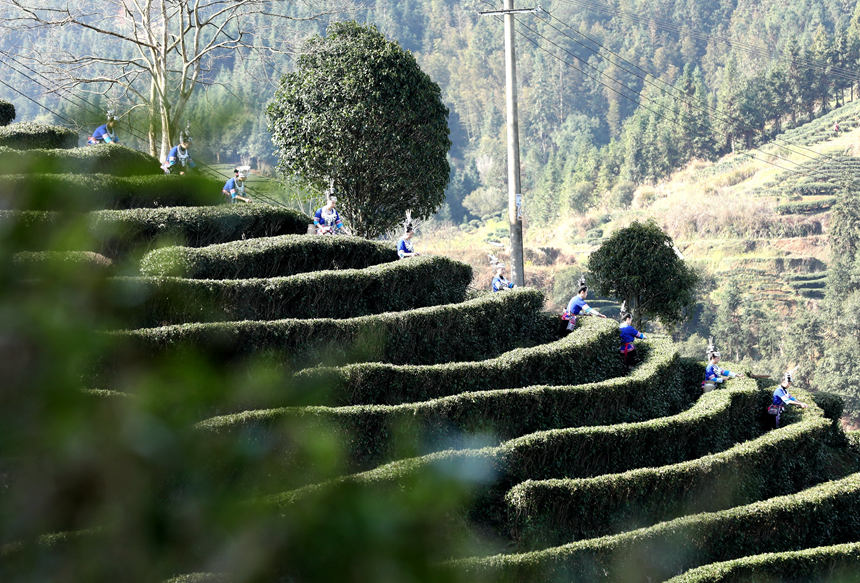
column 515, row 197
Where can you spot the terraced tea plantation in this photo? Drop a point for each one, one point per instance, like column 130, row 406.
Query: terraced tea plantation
column 205, row 393
column 777, row 215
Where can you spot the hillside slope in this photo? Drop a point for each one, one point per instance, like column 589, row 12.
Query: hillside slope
column 759, row 217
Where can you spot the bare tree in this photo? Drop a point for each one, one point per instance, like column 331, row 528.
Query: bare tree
column 167, row 46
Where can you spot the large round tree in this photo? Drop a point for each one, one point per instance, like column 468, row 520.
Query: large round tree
column 640, row 265
column 358, row 112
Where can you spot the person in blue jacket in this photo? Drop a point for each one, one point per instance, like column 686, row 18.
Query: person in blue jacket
column 179, row 158
column 628, row 334
column 327, row 219
column 781, row 398
column 500, row 282
column 234, row 189
column 715, row 374
column 405, row 248
column 577, row 306
column 104, row 134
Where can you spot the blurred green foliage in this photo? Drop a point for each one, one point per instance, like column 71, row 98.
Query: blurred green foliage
column 119, row 485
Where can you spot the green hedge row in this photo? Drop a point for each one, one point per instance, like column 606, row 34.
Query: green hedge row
column 267, row 257
column 46, row 263
column 472, row 330
column 836, row 564
column 827, row 514
column 32, row 135
column 832, row 405
column 718, row 419
column 589, row 354
column 815, row 188
column 100, row 159
column 553, row 512
column 200, row 578
column 116, row 233
column 373, row 434
column 806, row 207
column 82, row 192
column 391, row 287
column 810, row 285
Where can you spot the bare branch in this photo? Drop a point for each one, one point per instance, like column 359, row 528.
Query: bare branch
column 159, row 50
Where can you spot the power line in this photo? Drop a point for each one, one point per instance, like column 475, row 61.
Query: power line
column 67, row 120
column 677, row 94
column 214, row 173
column 845, row 73
column 638, row 99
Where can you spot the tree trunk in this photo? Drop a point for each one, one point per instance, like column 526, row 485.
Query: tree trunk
column 166, row 127
column 633, row 308
column 150, row 133
column 166, row 119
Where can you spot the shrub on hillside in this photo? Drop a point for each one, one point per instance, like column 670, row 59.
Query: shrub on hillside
column 579, row 195
column 831, row 404
column 815, row 188
column 622, row 194
column 485, row 201
column 101, row 191
column 32, row 135
column 7, row 112
column 806, row 207
column 100, row 159
column 267, row 257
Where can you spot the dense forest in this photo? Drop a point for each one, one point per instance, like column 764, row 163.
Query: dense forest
column 612, row 94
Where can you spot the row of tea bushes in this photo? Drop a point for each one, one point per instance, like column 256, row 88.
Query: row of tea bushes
column 589, row 354
column 827, row 514
column 82, row 192
column 110, row 159
column 267, row 257
column 837, row 563
column 716, row 421
column 471, row 330
column 391, row 287
column 32, row 135
column 552, row 512
column 374, row 434
column 118, row 233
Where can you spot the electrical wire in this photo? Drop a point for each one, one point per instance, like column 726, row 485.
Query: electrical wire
column 214, row 173
column 60, row 116
column 638, row 99
column 663, row 24
column 677, row 94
